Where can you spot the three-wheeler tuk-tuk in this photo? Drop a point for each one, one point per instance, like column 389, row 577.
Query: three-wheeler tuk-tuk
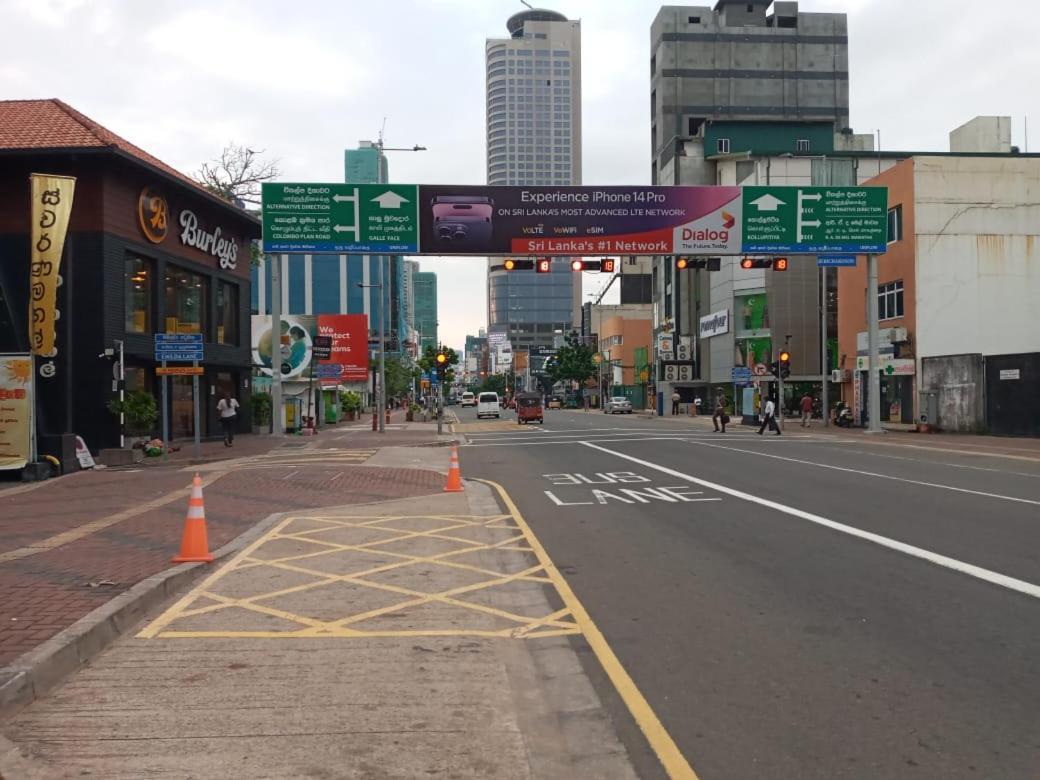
column 529, row 408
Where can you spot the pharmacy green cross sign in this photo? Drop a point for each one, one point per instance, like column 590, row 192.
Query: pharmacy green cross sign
column 815, row 219
column 349, row 218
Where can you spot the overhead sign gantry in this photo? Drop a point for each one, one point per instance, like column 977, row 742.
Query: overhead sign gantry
column 407, row 219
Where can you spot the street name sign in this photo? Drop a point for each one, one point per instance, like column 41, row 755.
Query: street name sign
column 815, row 219
column 836, row 261
column 178, row 347
column 347, row 218
column 180, row 370
column 740, row 374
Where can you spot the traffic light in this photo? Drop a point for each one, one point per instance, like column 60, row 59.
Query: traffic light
column 709, row 263
column 606, row 265
column 543, row 265
column 785, row 364
column 513, row 264
column 777, row 264
column 577, row 265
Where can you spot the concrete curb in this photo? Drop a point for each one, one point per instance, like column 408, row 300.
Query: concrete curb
column 34, row 673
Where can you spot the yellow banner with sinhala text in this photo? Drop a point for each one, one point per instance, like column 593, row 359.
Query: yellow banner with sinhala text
column 51, row 206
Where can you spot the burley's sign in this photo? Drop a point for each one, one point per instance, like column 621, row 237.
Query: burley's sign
column 153, row 217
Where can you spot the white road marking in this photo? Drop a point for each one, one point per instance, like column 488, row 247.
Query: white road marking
column 872, row 474
column 944, row 463
column 1011, row 583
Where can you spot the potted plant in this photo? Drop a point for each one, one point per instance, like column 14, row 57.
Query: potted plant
column 350, row 402
column 140, row 413
column 260, row 404
column 412, row 409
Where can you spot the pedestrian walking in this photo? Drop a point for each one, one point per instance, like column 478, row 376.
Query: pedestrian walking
column 696, row 406
column 675, row 402
column 720, row 415
column 227, row 407
column 807, row 407
column 588, row 402
column 769, row 418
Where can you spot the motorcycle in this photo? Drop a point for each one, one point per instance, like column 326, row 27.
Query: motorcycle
column 843, row 416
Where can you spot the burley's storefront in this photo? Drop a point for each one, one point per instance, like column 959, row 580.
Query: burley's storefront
column 148, row 251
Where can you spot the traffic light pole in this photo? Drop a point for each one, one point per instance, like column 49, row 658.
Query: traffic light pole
column 824, row 365
column 780, row 398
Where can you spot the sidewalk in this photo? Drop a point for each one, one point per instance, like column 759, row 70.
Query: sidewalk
column 69, row 545
column 413, row 638
column 965, row 444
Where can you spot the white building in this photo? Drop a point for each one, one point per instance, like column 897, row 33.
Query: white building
column 534, row 138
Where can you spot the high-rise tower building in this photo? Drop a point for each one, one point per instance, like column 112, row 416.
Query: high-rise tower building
column 534, row 138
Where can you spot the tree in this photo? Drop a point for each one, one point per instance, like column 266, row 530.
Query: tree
column 572, row 362
column 237, row 174
column 495, row 383
column 428, row 363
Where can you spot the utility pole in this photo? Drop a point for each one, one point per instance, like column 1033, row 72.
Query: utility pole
column 873, row 337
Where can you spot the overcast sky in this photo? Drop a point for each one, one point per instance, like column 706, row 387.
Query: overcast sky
column 305, row 80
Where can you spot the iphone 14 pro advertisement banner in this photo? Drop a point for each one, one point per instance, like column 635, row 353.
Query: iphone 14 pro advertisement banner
column 579, row 221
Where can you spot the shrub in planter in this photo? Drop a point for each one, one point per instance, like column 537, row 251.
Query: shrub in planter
column 260, row 405
column 140, row 411
column 350, row 403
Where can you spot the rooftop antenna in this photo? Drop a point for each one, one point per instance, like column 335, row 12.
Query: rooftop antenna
column 382, row 130
column 524, row 2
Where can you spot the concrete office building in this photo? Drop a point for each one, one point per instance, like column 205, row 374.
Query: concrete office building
column 729, row 83
column 534, row 138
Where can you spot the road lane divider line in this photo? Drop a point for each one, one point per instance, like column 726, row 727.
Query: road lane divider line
column 668, row 753
column 992, row 577
column 871, row 473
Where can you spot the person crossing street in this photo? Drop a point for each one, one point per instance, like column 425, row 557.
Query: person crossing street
column 769, row 418
column 720, row 415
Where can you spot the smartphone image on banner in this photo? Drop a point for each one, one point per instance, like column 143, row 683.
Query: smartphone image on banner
column 462, row 218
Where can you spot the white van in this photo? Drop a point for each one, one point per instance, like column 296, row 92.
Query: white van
column 468, row 399
column 488, row 406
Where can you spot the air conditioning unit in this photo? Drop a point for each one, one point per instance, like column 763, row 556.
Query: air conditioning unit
column 840, row 375
column 897, row 335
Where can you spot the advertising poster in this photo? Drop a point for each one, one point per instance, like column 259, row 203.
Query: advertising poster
column 295, row 353
column 755, row 354
column 349, row 334
column 51, row 207
column 15, row 411
column 473, row 220
column 752, row 313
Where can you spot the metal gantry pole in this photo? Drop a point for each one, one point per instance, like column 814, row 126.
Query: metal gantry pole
column 277, row 410
column 873, row 337
column 824, row 365
column 381, row 392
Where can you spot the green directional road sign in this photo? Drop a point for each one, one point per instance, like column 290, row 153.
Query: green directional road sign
column 815, row 219
column 349, row 218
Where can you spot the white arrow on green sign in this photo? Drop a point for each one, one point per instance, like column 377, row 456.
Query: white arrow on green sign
column 350, row 218
column 811, row 220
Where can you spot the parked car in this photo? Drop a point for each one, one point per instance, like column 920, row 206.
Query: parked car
column 488, row 405
column 555, row 403
column 468, row 399
column 617, row 404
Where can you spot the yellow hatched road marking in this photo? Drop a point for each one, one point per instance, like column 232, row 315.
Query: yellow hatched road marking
column 671, row 758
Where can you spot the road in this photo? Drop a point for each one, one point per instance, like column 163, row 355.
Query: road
column 797, row 606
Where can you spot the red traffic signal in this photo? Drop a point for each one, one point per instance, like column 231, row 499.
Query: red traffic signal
column 509, row 264
column 777, row 264
column 543, row 265
column 512, row 264
column 682, row 263
column 577, row 265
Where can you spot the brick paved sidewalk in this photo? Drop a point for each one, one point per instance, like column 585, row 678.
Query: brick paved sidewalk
column 71, row 544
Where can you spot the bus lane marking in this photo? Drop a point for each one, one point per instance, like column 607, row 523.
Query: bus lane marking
column 645, row 494
column 992, row 577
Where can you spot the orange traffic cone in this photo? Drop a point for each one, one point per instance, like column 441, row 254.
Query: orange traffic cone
column 454, row 475
column 194, row 543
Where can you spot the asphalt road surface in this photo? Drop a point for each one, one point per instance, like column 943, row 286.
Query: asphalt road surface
column 793, row 606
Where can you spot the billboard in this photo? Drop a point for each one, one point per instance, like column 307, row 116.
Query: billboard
column 476, row 220
column 295, row 353
column 16, row 402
